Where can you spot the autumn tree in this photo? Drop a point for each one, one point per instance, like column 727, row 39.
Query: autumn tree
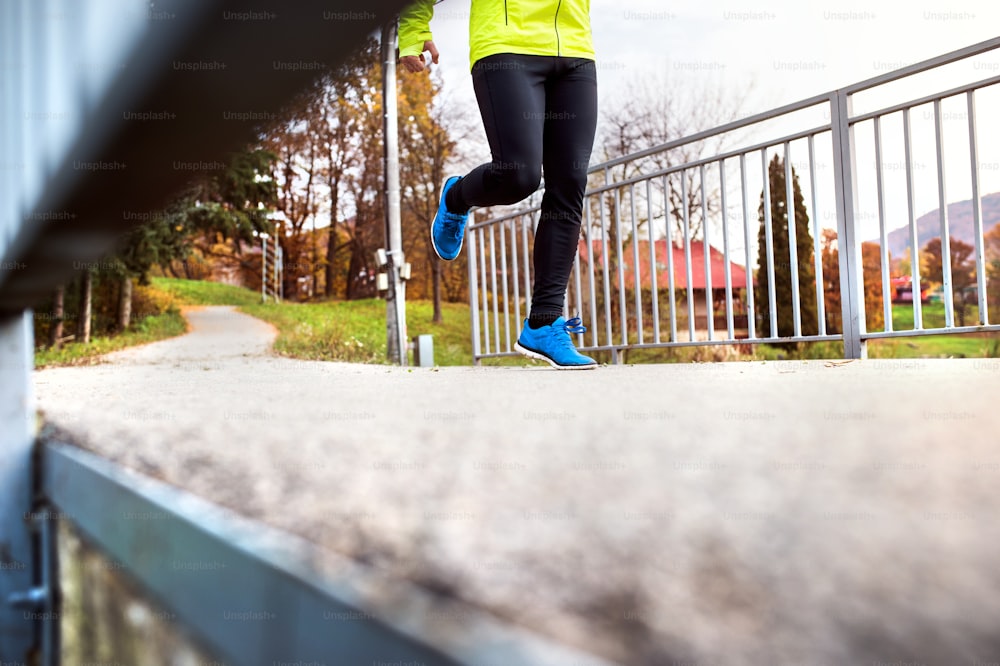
column 317, row 141
column 991, row 249
column 366, row 186
column 323, row 138
column 426, row 150
column 871, row 268
column 331, row 149
column 963, row 272
column 655, row 110
column 208, row 226
column 316, row 182
column 160, row 240
column 781, row 257
column 296, row 174
column 830, row 259
column 339, row 125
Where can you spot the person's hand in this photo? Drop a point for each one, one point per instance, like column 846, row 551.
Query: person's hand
column 417, row 63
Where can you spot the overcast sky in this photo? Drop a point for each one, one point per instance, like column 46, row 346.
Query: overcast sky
column 789, row 51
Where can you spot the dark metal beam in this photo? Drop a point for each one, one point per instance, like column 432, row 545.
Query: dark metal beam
column 200, row 66
column 255, row 595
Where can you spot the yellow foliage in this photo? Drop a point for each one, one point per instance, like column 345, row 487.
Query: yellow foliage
column 147, row 301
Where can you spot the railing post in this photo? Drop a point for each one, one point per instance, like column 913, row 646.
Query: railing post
column 473, row 265
column 845, row 184
column 396, row 339
column 281, row 274
column 17, row 432
column 263, row 268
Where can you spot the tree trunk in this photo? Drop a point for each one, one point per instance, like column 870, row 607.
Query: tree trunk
column 437, row 291
column 56, row 326
column 353, row 266
column 331, row 251
column 125, row 303
column 187, row 269
column 83, row 318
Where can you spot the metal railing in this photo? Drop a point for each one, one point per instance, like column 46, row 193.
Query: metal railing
column 79, row 165
column 320, row 607
column 669, row 234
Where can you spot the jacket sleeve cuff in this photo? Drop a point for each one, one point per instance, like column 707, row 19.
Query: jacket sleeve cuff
column 414, row 27
column 416, row 45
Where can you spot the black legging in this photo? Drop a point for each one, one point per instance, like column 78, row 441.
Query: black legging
column 539, row 112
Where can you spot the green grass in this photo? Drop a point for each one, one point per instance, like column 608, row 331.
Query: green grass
column 354, row 331
column 202, row 292
column 932, row 315
column 970, row 345
column 148, row 329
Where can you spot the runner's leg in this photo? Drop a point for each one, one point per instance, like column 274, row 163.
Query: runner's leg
column 510, row 90
column 570, row 125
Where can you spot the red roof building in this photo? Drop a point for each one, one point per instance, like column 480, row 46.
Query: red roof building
column 718, row 265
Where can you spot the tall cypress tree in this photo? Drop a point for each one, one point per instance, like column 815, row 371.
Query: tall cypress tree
column 782, row 258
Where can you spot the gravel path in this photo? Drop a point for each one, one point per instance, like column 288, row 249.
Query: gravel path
column 743, row 513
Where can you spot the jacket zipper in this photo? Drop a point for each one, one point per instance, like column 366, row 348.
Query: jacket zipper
column 505, row 13
column 556, row 23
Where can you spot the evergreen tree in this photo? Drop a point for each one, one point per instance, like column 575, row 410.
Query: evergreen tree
column 233, row 203
column 782, row 258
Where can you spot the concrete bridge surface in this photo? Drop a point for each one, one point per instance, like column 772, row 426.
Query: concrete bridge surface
column 744, row 513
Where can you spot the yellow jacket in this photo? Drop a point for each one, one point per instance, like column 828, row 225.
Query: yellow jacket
column 525, row 27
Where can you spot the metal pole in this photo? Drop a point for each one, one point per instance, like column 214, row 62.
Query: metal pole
column 849, row 245
column 395, row 319
column 263, row 269
column 274, row 281
column 17, row 433
column 474, row 291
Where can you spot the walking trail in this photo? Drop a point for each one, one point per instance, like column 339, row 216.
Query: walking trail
column 740, row 513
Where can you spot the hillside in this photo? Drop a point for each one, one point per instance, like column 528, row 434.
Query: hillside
column 960, row 224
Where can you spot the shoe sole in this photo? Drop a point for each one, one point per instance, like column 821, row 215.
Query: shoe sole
column 542, row 357
column 433, row 244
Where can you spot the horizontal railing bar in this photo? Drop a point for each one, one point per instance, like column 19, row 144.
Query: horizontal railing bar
column 927, row 99
column 167, row 538
column 759, row 146
column 509, row 216
column 922, row 66
column 690, row 343
column 722, row 129
column 992, row 328
column 729, row 154
column 909, row 333
column 916, row 68
column 693, row 164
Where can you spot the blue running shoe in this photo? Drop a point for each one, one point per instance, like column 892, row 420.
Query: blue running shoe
column 553, row 344
column 448, row 229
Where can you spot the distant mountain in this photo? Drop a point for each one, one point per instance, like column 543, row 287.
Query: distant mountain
column 960, row 225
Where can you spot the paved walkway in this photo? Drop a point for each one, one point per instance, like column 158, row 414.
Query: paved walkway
column 743, row 513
